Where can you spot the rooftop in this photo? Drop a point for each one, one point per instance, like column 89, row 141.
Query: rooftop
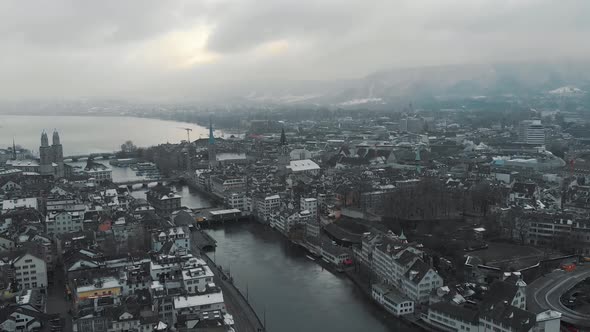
column 182, row 302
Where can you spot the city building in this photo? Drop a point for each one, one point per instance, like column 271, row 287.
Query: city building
column 163, row 199
column 61, row 222
column 222, row 185
column 392, row 300
column 30, row 271
column 305, row 166
column 178, row 236
column 531, row 132
column 98, row 172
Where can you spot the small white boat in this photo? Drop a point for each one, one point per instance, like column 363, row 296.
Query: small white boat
column 308, row 256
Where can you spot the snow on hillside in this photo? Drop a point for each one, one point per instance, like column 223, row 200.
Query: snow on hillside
column 567, row 91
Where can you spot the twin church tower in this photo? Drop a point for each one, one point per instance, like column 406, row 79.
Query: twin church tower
column 51, row 156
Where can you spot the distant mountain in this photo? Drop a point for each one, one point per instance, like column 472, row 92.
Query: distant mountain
column 567, row 91
column 454, row 81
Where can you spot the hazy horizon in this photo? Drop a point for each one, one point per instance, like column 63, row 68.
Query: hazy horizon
column 154, row 50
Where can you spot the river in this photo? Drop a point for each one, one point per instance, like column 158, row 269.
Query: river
column 293, row 292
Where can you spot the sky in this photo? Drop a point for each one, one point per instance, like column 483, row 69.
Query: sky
column 189, row 49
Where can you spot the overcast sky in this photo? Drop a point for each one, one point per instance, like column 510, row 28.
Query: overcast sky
column 180, row 48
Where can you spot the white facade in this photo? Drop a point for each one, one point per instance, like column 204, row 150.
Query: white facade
column 237, row 201
column 30, row 272
column 532, row 132
column 418, row 288
column 400, row 265
column 192, row 304
column 266, row 206
column 64, row 222
column 180, row 236
column 309, row 204
column 99, row 175
column 392, row 300
column 195, row 279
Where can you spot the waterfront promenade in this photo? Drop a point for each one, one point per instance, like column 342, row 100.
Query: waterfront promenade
column 245, row 318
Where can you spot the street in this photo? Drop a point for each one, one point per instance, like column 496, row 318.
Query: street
column 56, row 301
column 545, row 293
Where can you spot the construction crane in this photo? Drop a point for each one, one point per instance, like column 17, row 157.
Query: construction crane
column 188, row 134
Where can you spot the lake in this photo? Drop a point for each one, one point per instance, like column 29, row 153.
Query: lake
column 86, row 134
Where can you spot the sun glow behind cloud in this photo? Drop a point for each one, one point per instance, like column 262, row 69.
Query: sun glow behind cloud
column 181, row 49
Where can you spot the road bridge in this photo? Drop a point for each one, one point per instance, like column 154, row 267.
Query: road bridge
column 94, row 156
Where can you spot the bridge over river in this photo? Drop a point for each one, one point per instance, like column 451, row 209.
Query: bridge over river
column 94, row 156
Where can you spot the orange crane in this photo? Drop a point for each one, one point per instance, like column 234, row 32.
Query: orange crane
column 188, row 135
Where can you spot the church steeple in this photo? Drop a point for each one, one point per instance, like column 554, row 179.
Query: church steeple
column 211, row 148
column 55, row 137
column 283, row 137
column 211, row 137
column 403, row 237
column 13, row 149
column 44, row 139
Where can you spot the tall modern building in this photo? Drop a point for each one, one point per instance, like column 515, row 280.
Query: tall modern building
column 531, row 132
column 51, row 157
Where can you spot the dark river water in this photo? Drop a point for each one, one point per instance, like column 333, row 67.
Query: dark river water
column 293, row 292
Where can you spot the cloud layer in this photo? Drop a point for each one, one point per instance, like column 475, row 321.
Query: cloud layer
column 190, row 49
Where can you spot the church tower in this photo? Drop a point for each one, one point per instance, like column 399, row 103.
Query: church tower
column 58, row 155
column 211, row 147
column 45, row 156
column 283, row 158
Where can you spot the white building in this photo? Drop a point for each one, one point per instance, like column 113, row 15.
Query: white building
column 266, row 206
column 222, row 185
column 30, row 272
column 397, row 263
column 179, row 235
column 283, row 221
column 63, row 222
column 304, row 166
column 531, row 132
column 194, row 304
column 392, row 300
column 196, row 278
column 236, row 201
column 98, row 172
column 309, row 204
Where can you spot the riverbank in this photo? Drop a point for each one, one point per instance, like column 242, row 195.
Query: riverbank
column 244, row 315
column 295, row 293
column 365, row 287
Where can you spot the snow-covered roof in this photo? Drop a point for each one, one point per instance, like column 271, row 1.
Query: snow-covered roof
column 11, row 204
column 197, row 300
column 303, row 165
column 110, row 282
